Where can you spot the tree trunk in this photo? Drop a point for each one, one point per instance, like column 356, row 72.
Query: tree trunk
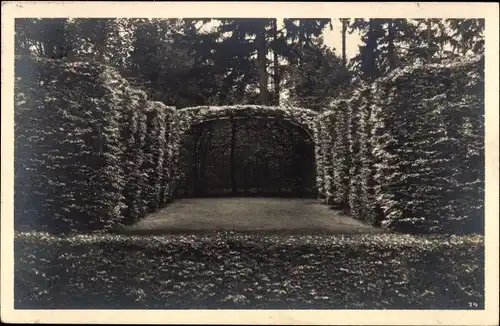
column 262, row 59
column 344, row 32
column 276, row 65
column 390, row 47
column 429, row 41
column 464, row 40
column 101, row 30
column 301, row 41
column 441, row 43
column 233, row 147
column 369, row 64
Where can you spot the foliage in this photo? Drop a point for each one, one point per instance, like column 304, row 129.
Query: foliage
column 414, row 149
column 165, row 62
column 320, row 159
column 68, row 144
column 340, row 155
column 107, row 40
column 429, row 146
column 326, row 137
column 231, row 271
column 318, row 80
column 47, row 38
column 157, row 162
column 334, row 146
column 134, row 134
column 388, row 44
column 86, row 162
column 354, row 141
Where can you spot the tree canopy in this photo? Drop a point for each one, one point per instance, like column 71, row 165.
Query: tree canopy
column 189, row 62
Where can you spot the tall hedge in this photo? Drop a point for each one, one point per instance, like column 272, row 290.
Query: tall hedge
column 354, row 141
column 167, row 181
column 340, row 155
column 370, row 209
column 134, row 135
column 407, row 151
column 327, row 135
column 156, row 160
column 68, row 147
column 320, row 159
column 429, row 147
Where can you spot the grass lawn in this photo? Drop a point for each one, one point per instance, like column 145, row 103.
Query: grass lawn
column 251, row 271
column 247, row 214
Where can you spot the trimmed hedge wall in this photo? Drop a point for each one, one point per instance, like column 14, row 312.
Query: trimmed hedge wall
column 341, row 157
column 429, row 147
column 134, row 135
column 82, row 139
column 408, row 150
column 318, row 151
column 67, row 145
column 157, row 158
column 326, row 132
column 354, row 143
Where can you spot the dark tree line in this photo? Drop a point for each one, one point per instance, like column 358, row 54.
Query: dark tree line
column 391, row 43
column 187, row 62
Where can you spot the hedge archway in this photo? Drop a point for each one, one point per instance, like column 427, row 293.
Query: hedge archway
column 187, row 118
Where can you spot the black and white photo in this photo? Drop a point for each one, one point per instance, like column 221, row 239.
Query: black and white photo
column 282, row 163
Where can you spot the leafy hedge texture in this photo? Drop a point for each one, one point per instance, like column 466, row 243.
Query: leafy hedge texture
column 79, row 159
column 92, row 153
column 134, row 135
column 227, row 270
column 68, row 148
column 157, row 161
column 186, row 118
column 340, row 155
column 429, row 146
column 408, row 151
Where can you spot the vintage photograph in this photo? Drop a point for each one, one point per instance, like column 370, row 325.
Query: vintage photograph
column 249, row 163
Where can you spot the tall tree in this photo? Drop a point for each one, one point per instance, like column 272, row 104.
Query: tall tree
column 429, row 40
column 276, row 64
column 386, row 45
column 319, row 79
column 43, row 37
column 262, row 62
column 391, row 51
column 345, row 24
column 467, row 35
column 238, row 57
column 300, row 33
column 107, row 40
column 366, row 60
